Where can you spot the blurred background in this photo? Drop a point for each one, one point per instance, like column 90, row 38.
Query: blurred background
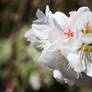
column 19, row 69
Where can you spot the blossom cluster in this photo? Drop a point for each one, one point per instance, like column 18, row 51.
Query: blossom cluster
column 65, row 44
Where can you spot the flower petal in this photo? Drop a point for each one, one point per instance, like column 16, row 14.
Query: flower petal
column 89, row 68
column 40, row 15
column 71, row 45
column 59, row 77
column 55, row 60
column 47, row 11
column 51, row 58
column 61, row 20
column 83, row 9
column 57, row 74
column 76, row 63
column 41, row 31
column 86, row 38
column 35, row 41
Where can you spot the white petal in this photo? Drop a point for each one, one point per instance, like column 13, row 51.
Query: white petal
column 83, row 9
column 40, row 15
column 89, row 68
column 41, row 31
column 51, row 59
column 72, row 13
column 72, row 44
column 58, row 20
column 55, row 36
column 55, row 60
column 81, row 82
column 47, row 10
column 76, row 63
column 67, row 72
column 57, row 74
column 27, row 35
column 59, row 77
column 86, row 38
column 35, row 42
column 57, row 23
column 61, row 20
column 31, row 37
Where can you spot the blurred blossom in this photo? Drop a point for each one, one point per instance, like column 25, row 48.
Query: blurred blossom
column 35, row 81
column 11, row 85
column 5, row 49
column 14, row 17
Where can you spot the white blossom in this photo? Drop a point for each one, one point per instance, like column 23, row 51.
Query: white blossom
column 65, row 43
column 80, row 47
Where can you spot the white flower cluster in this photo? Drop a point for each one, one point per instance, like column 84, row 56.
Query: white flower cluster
column 65, row 44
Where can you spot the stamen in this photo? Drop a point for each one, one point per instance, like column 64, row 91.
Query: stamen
column 69, row 34
column 86, row 52
column 42, row 44
column 68, row 67
column 86, row 29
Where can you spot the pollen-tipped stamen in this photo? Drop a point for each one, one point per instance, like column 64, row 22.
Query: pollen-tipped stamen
column 86, row 52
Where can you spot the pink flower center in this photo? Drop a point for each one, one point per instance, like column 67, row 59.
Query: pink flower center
column 69, row 33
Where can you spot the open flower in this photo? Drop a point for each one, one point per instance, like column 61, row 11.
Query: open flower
column 80, row 47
